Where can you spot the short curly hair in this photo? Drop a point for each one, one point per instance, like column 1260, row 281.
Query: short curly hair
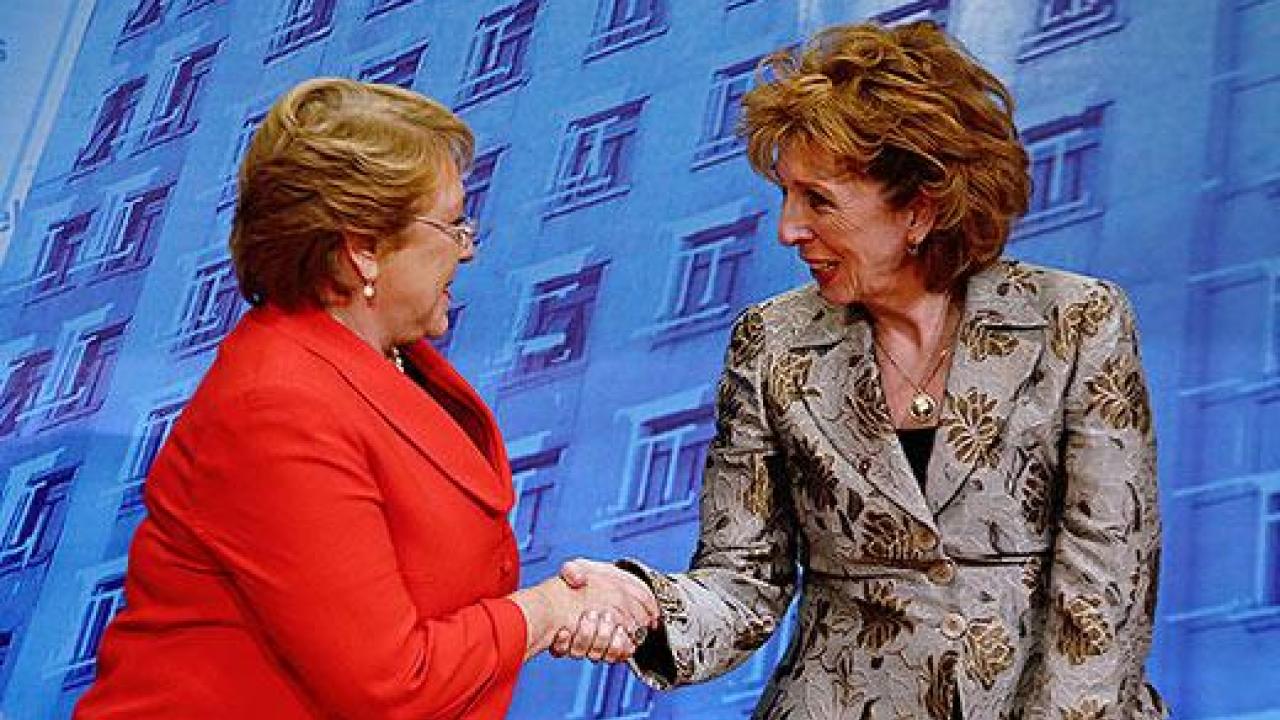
column 909, row 108
column 331, row 156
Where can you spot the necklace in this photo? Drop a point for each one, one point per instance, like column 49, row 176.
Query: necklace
column 923, row 407
column 397, row 358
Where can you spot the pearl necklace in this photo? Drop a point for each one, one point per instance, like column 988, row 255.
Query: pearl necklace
column 397, row 359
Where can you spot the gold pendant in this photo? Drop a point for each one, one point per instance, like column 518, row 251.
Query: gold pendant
column 922, row 408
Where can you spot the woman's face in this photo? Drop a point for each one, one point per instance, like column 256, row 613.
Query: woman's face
column 414, row 279
column 854, row 244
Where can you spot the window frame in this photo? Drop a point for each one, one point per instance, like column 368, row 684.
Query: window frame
column 213, row 285
column 111, row 126
column 594, row 160
column 176, row 108
column 497, row 59
column 613, row 31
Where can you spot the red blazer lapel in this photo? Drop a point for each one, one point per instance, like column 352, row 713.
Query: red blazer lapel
column 481, row 472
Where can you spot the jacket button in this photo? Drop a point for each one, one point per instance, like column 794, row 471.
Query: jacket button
column 923, row 537
column 954, row 626
column 942, row 572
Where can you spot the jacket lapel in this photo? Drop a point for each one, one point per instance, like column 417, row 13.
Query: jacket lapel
column 999, row 345
column 844, row 398
column 422, row 421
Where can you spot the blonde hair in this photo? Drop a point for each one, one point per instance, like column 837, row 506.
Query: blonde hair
column 909, row 108
column 335, row 156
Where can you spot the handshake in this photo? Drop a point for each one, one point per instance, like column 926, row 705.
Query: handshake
column 591, row 610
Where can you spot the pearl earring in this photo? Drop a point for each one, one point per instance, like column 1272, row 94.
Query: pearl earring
column 368, row 290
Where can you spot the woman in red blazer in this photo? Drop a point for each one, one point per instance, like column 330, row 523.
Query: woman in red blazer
column 326, row 532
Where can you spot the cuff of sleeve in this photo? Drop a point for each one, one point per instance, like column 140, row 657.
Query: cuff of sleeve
column 511, row 631
column 654, row 661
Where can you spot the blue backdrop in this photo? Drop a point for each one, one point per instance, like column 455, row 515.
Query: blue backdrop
column 623, row 230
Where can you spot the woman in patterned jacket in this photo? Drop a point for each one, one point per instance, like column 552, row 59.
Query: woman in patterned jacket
column 947, row 455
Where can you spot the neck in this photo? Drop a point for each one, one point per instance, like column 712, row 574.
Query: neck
column 913, row 319
column 360, row 320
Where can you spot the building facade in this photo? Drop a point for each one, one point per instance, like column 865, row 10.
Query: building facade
column 623, row 232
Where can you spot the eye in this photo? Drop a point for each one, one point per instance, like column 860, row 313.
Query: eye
column 816, row 199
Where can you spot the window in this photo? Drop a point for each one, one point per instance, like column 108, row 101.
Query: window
column 175, row 110
column 401, row 70
column 667, row 453
column 60, row 254
column 113, row 121
column 594, row 158
column 144, row 15
column 477, row 184
column 248, row 127
column 152, row 433
column 6, row 636
column 26, row 377
column 724, row 106
column 1064, row 171
column 534, row 479
column 104, row 602
column 622, row 23
column 1270, row 566
column 378, row 7
column 34, row 520
column 496, row 61
column 1060, row 23
column 705, row 272
column 558, row 316
column 304, row 21
column 611, row 692
column 935, row 10
column 80, row 379
column 211, row 308
column 131, row 244
column 193, row 5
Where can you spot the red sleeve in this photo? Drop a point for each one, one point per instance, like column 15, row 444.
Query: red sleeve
column 286, row 501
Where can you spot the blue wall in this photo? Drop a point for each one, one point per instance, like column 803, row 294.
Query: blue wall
column 624, row 230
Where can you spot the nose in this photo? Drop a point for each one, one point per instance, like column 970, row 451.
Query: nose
column 793, row 226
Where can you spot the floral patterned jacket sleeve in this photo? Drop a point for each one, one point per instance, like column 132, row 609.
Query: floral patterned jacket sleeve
column 742, row 576
column 1102, row 581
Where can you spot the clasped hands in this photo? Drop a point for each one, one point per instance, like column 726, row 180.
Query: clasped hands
column 592, row 610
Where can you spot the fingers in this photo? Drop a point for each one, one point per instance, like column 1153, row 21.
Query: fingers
column 596, row 636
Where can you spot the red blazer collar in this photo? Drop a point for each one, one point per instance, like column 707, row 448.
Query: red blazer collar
column 481, row 472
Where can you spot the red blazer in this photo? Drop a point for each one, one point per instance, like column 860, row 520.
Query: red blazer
column 323, row 539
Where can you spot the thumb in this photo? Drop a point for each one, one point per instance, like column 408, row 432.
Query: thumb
column 574, row 574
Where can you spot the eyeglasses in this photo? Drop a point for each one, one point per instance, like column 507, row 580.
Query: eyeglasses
column 463, row 232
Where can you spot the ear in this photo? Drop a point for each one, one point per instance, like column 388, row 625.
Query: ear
column 358, row 253
column 922, row 212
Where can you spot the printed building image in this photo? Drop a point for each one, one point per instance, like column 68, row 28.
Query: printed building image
column 622, row 232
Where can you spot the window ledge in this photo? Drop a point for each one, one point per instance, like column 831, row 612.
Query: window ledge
column 1045, row 42
column 151, row 142
column 469, row 100
column 601, row 48
column 1052, row 219
column 715, row 152
column 630, row 523
column 674, row 329
column 288, row 48
column 555, row 208
column 515, row 381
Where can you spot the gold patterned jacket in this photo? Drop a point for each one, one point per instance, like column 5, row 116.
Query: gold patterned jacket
column 1020, row 582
